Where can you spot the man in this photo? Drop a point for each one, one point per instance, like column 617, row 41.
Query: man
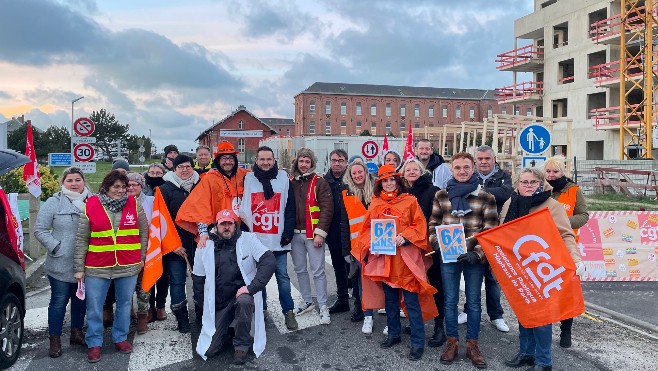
column 268, row 210
column 227, row 279
column 433, row 162
column 463, row 202
column 202, row 163
column 314, row 210
column 170, row 152
column 221, row 188
column 338, row 160
column 499, row 184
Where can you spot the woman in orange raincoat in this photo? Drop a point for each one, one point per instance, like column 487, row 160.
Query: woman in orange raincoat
column 386, row 279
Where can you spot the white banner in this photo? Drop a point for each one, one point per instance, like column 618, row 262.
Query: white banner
column 241, row 133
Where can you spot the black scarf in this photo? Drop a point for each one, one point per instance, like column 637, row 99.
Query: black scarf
column 222, row 242
column 520, row 205
column 265, row 178
column 154, row 181
column 112, row 204
column 559, row 183
column 457, row 193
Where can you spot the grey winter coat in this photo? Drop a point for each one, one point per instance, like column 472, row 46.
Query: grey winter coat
column 56, row 226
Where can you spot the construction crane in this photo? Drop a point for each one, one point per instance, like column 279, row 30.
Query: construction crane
column 637, row 91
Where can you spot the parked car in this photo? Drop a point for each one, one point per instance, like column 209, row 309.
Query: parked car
column 12, row 272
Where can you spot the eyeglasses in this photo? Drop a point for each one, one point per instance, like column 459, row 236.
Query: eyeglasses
column 227, row 159
column 183, row 167
column 135, row 185
column 526, row 183
column 334, row 161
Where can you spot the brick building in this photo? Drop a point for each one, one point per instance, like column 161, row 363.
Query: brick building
column 244, row 130
column 349, row 109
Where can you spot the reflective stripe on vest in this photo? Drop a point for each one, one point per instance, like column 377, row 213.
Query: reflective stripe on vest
column 568, row 200
column 312, row 209
column 355, row 213
column 106, row 247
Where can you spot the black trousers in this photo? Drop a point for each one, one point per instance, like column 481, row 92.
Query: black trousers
column 238, row 315
column 340, row 270
column 434, row 276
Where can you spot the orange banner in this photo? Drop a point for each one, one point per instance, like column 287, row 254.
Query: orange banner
column 534, row 269
column 163, row 239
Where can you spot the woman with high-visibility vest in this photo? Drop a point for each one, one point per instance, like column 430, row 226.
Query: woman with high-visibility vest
column 419, row 182
column 388, row 278
column 110, row 247
column 355, row 196
column 566, row 192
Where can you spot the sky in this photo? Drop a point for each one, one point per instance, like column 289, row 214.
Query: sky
column 171, row 68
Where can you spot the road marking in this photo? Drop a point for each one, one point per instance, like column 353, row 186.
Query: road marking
column 306, row 320
column 591, row 317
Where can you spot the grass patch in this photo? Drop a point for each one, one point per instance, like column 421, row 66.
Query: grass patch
column 620, row 202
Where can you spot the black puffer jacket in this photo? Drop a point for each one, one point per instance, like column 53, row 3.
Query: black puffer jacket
column 424, row 191
column 499, row 185
column 333, row 238
column 174, row 197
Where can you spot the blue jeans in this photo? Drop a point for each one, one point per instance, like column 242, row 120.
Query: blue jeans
column 492, row 292
column 357, row 292
column 177, row 269
column 282, row 282
column 60, row 293
column 95, row 292
column 451, row 274
column 392, row 304
column 536, row 342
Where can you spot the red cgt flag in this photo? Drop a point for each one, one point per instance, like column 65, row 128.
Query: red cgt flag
column 31, row 169
column 384, row 148
column 409, row 147
column 534, row 269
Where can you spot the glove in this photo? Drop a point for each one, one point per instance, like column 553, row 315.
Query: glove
column 581, row 269
column 470, row 257
column 355, row 266
column 285, row 240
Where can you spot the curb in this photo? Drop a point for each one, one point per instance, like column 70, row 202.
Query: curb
column 34, row 267
column 624, row 318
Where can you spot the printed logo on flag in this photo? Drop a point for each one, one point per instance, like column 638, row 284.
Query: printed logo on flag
column 382, row 235
column 265, row 213
column 452, row 242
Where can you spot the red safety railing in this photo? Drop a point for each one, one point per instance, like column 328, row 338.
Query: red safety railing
column 612, row 26
column 519, row 56
column 605, row 72
column 566, row 80
column 609, row 117
column 521, row 90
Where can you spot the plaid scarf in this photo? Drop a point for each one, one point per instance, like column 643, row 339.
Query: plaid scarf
column 114, row 205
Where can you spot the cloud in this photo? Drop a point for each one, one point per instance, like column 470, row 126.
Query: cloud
column 4, row 95
column 285, row 20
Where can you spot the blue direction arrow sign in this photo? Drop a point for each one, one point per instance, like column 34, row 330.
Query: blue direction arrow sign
column 535, row 139
column 372, row 167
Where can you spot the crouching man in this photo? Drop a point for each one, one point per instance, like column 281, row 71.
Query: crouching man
column 228, row 275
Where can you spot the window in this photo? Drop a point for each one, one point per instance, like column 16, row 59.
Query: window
column 343, row 124
column 373, row 109
column 444, row 111
column 416, row 110
column 504, row 111
column 458, row 112
column 311, row 127
column 471, row 112
column 343, row 108
column 327, row 127
column 241, row 145
column 358, row 108
column 402, row 126
column 358, row 124
column 403, row 110
column 517, row 111
column 241, row 124
column 373, row 128
column 430, row 112
column 311, row 107
column 528, row 112
column 416, row 125
column 388, row 126
column 489, row 111
column 388, row 110
column 327, row 108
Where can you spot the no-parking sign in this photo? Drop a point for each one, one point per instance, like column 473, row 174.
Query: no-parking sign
column 84, row 127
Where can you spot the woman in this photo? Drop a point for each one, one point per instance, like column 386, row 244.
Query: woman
column 110, row 247
column 355, row 199
column 153, row 179
column 178, row 185
column 393, row 158
column 566, row 192
column 419, row 182
column 56, row 225
column 531, row 194
column 403, row 274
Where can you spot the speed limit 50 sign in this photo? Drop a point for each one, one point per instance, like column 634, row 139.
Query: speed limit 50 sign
column 83, row 152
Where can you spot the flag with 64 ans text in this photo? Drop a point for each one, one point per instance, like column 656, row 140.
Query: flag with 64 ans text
column 534, row 269
column 163, row 239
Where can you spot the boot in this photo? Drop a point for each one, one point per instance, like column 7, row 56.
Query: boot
column 183, row 319
column 151, row 315
column 439, row 336
column 142, row 323
column 341, row 305
column 161, row 314
column 473, row 353
column 77, row 337
column 565, row 339
column 55, row 347
column 108, row 316
column 450, row 351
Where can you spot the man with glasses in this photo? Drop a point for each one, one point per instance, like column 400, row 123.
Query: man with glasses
column 202, row 163
column 338, row 160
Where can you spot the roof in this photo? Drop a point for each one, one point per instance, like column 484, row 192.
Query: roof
column 240, row 109
column 275, row 121
column 398, row 91
column 14, row 124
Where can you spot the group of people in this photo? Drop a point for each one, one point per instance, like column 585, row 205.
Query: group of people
column 237, row 227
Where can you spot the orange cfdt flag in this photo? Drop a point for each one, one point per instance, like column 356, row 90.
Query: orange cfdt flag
column 163, row 239
column 534, row 269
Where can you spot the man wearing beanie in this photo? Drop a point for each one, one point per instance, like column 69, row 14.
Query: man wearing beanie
column 120, row 163
column 170, row 153
column 220, row 188
column 314, row 211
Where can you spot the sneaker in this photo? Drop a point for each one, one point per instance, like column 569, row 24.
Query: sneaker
column 385, row 332
column 462, row 318
column 123, row 347
column 402, row 315
column 500, row 325
column 94, row 354
column 325, row 318
column 367, row 325
column 381, row 311
column 304, row 308
column 291, row 322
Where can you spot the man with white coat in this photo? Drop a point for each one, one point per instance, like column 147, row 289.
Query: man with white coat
column 228, row 276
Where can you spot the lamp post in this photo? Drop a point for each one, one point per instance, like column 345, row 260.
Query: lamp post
column 72, row 121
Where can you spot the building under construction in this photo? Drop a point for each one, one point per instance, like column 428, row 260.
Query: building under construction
column 594, row 62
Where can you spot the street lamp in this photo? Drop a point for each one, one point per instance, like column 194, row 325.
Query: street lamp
column 72, row 121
